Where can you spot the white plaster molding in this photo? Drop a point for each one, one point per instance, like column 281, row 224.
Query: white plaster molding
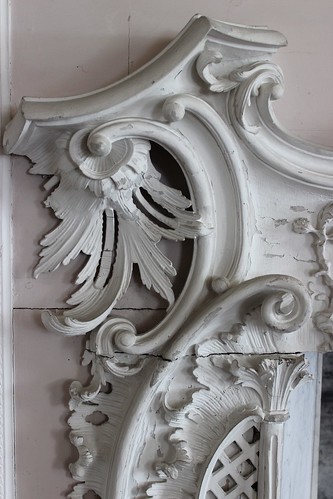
column 207, row 410
column 7, row 417
column 234, row 469
column 255, row 86
column 252, row 115
column 322, row 238
column 161, row 405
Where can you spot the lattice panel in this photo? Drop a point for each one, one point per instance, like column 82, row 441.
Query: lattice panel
column 235, row 473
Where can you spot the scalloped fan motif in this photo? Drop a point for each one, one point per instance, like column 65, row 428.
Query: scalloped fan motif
column 115, row 209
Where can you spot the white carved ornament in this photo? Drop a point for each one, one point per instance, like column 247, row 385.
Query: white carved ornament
column 176, row 401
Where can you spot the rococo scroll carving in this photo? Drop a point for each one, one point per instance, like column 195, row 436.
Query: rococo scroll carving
column 164, row 408
column 216, row 412
column 112, row 186
column 321, row 241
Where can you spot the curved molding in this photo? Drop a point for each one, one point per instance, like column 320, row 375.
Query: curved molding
column 174, row 109
column 138, row 235
column 271, row 293
column 252, row 89
column 272, row 380
column 224, row 311
column 102, row 172
column 162, row 405
column 252, row 116
column 106, row 101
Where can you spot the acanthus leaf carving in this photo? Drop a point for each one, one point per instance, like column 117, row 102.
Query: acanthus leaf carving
column 322, row 238
column 199, row 425
column 113, row 188
column 245, row 82
column 216, row 83
column 273, row 380
column 114, row 207
column 250, row 79
column 201, row 428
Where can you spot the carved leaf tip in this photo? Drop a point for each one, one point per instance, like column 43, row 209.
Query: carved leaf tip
column 113, row 208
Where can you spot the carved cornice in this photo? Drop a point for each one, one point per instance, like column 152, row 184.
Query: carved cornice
column 206, row 100
column 107, row 102
column 105, row 171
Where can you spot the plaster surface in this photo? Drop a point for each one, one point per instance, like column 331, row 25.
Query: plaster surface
column 61, row 48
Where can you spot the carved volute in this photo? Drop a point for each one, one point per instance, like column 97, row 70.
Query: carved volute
column 197, row 406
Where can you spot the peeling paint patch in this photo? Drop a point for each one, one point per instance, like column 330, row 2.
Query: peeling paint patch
column 300, row 208
column 297, row 208
column 271, row 243
column 273, row 255
column 280, row 221
column 304, row 261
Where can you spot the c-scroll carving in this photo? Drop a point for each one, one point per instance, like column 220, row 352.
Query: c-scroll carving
column 114, row 207
column 109, row 186
column 251, row 91
column 154, row 373
column 201, row 428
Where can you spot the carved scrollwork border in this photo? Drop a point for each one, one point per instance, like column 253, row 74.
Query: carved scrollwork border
column 252, row 115
column 96, row 151
column 198, row 183
column 231, row 388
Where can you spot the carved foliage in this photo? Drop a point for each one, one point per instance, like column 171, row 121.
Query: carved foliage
column 199, row 426
column 322, row 236
column 273, row 380
column 114, row 208
column 251, row 87
column 97, row 419
column 231, row 391
column 245, row 81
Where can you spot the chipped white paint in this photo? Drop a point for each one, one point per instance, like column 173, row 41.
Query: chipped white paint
column 164, row 406
column 322, row 238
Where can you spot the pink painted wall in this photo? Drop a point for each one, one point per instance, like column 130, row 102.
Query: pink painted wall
column 68, row 47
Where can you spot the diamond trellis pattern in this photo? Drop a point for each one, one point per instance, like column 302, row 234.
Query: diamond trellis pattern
column 235, row 474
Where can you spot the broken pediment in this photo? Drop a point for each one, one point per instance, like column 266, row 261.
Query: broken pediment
column 211, row 381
